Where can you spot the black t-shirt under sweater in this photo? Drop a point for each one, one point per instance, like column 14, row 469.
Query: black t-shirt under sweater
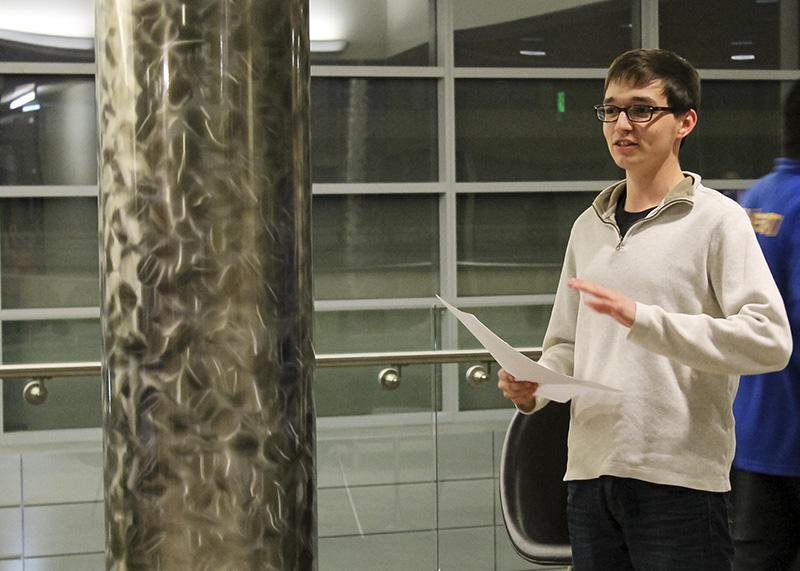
column 627, row 219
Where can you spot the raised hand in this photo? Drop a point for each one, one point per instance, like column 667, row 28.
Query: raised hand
column 608, row 301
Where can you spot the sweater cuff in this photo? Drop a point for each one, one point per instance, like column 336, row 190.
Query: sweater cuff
column 538, row 404
column 643, row 323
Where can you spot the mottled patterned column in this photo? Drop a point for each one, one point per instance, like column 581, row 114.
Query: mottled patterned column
column 204, row 217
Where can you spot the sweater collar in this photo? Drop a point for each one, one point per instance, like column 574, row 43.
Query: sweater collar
column 605, row 203
column 786, row 164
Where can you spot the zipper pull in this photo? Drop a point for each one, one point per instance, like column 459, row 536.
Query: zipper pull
column 619, row 246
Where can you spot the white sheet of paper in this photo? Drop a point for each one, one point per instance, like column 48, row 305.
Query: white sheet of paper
column 552, row 385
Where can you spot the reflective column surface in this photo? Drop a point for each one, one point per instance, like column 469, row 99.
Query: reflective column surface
column 206, row 289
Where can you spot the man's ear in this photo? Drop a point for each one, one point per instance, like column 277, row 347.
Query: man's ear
column 687, row 124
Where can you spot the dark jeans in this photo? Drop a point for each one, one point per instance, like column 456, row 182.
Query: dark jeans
column 616, row 524
column 766, row 521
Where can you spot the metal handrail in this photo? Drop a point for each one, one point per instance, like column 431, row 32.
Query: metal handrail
column 35, row 391
column 330, row 360
column 49, row 370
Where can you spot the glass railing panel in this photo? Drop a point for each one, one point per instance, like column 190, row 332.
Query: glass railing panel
column 376, row 448
column 347, row 391
column 71, row 402
column 520, row 326
column 11, row 547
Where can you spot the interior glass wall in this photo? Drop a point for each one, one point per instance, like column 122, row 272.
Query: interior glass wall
column 453, row 143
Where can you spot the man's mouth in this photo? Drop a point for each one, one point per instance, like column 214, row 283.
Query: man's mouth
column 624, row 143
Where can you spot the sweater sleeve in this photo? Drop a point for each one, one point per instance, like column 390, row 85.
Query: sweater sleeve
column 558, row 347
column 753, row 335
column 792, row 288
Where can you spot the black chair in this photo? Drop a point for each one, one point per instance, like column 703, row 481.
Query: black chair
column 533, row 495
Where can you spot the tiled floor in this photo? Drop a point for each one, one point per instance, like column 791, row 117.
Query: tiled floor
column 406, row 500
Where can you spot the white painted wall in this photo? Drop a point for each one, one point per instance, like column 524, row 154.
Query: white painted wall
column 69, row 138
column 66, row 18
column 407, row 25
column 362, row 23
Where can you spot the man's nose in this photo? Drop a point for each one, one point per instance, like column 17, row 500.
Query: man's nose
column 622, row 121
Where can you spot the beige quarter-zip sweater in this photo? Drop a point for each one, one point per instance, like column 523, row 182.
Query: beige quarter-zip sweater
column 707, row 311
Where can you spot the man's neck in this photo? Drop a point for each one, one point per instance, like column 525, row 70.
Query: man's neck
column 647, row 189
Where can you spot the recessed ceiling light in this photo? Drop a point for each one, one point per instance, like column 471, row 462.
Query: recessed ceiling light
column 16, row 92
column 22, row 100
column 743, row 57
column 534, row 53
column 327, row 46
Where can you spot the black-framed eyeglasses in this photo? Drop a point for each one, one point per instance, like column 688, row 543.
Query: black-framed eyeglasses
column 635, row 113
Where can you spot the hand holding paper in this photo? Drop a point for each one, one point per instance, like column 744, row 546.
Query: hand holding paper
column 552, row 385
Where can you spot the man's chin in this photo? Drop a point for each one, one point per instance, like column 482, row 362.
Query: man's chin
column 622, row 162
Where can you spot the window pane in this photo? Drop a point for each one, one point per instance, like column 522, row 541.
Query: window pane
column 374, row 130
column 47, row 130
column 514, row 243
column 520, row 327
column 517, row 130
column 578, row 33
column 72, row 402
column 372, row 32
column 355, row 390
column 745, row 34
column 373, row 330
column 740, row 130
column 49, row 252
column 376, row 246
column 47, row 30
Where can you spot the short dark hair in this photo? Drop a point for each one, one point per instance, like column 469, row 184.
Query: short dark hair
column 791, row 122
column 642, row 66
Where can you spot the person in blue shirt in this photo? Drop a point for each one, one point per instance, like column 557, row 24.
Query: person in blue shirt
column 766, row 468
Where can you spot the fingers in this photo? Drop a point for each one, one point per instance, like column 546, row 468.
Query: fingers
column 505, row 376
column 600, row 306
column 519, row 392
column 590, row 288
column 606, row 301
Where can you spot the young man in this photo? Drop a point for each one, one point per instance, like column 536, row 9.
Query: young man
column 665, row 295
column 766, row 475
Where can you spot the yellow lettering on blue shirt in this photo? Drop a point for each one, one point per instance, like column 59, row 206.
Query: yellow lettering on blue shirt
column 766, row 223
